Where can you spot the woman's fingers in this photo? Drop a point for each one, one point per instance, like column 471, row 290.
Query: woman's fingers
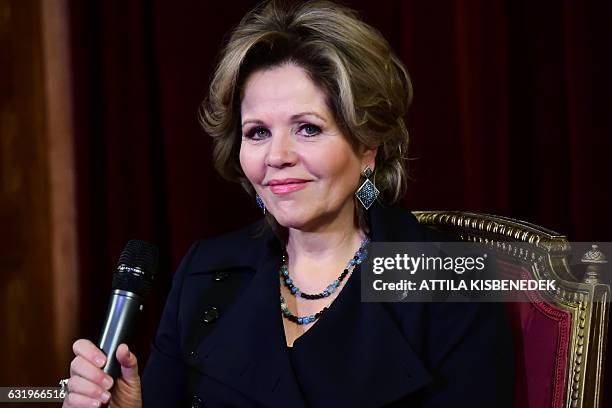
column 89, row 386
column 80, row 385
column 74, row 400
column 87, row 363
column 89, row 351
column 84, row 368
column 129, row 364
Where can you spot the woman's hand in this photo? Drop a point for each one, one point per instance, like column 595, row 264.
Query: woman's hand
column 89, row 386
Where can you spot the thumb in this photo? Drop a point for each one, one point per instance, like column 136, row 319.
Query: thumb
column 129, row 365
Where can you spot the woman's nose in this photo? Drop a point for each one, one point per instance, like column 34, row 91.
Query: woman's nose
column 281, row 152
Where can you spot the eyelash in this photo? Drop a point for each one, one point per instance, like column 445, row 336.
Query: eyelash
column 251, row 134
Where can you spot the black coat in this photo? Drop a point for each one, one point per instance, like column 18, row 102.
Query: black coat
column 221, row 342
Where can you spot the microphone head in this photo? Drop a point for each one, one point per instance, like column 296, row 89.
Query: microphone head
column 136, row 267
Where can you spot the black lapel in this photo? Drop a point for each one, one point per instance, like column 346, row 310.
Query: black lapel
column 246, row 349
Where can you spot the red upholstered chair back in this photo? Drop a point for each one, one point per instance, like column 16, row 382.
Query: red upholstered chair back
column 559, row 336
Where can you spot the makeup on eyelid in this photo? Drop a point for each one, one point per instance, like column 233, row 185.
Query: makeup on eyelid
column 315, row 130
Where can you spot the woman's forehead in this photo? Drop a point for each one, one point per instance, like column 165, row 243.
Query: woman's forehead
column 282, row 91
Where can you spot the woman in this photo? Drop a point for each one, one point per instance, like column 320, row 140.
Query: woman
column 306, row 110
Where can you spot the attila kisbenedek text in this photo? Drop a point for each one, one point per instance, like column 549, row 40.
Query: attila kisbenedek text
column 459, row 265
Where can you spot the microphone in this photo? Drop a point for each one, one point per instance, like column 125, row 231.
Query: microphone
column 132, row 281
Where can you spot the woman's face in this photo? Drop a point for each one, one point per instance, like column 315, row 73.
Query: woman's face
column 293, row 152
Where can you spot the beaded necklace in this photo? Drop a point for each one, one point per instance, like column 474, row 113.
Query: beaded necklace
column 359, row 256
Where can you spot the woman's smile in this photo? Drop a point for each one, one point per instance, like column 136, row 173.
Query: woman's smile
column 286, row 186
column 282, row 189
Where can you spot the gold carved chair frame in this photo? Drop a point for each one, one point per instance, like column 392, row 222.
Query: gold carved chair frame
column 544, row 254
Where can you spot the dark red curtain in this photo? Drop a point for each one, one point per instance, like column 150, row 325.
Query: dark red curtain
column 511, row 116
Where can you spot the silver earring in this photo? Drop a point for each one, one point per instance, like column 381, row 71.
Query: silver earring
column 367, row 192
column 260, row 203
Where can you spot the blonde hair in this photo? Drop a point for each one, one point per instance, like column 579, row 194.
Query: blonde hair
column 367, row 86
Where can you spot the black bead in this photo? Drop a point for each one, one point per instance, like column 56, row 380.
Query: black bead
column 220, row 275
column 196, row 402
column 211, row 314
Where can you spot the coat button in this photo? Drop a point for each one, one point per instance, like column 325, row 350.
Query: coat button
column 211, row 315
column 220, row 275
column 196, row 402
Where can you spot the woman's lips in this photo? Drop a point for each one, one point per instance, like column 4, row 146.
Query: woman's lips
column 280, row 189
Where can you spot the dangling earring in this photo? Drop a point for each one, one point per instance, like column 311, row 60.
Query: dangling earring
column 367, row 192
column 260, row 203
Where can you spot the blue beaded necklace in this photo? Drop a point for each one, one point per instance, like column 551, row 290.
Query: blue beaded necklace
column 359, row 256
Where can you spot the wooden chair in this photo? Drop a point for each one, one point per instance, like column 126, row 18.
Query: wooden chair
column 559, row 336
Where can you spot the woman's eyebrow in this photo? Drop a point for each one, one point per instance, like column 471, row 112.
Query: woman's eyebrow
column 293, row 117
column 256, row 121
column 301, row 114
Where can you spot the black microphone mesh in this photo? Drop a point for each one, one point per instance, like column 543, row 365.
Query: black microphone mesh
column 136, row 267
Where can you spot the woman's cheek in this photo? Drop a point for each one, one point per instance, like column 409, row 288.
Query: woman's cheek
column 248, row 164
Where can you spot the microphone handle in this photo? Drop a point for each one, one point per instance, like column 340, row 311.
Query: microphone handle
column 123, row 310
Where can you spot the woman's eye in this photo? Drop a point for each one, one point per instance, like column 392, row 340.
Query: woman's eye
column 257, row 133
column 308, row 129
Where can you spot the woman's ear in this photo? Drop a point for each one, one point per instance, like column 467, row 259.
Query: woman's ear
column 368, row 158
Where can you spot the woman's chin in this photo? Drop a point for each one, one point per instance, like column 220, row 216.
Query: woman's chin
column 291, row 222
column 291, row 219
